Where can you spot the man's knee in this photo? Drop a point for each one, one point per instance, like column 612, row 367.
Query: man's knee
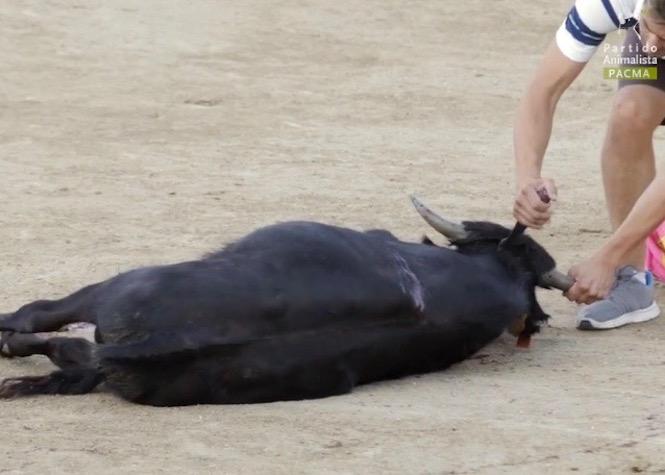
column 634, row 114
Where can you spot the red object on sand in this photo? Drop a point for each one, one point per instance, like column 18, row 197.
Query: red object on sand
column 523, row 341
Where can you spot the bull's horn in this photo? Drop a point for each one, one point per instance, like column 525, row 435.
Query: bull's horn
column 557, row 280
column 451, row 230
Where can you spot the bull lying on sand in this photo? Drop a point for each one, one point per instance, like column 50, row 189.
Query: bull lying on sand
column 292, row 311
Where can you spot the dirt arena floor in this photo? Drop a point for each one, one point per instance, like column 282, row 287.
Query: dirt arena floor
column 136, row 133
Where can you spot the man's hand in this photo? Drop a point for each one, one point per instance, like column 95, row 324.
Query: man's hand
column 594, row 278
column 529, row 209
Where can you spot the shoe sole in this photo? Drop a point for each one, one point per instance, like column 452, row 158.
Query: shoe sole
column 636, row 316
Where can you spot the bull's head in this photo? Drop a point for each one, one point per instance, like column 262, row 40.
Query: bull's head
column 516, row 249
column 483, row 236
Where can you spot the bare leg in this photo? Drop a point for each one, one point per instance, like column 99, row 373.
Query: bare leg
column 628, row 162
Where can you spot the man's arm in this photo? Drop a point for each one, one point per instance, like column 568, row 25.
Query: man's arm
column 536, row 110
column 595, row 276
column 533, row 128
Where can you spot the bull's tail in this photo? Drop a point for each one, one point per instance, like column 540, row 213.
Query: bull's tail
column 67, row 381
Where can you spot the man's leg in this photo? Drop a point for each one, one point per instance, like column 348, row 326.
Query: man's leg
column 628, row 166
column 628, row 161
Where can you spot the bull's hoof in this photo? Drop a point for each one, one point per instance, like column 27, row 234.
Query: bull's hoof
column 22, row 344
column 4, row 345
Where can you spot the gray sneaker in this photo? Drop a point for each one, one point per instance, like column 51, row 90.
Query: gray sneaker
column 630, row 301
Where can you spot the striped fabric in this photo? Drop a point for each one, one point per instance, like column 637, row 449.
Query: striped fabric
column 589, row 21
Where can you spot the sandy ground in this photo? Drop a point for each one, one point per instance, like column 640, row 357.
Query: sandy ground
column 134, row 133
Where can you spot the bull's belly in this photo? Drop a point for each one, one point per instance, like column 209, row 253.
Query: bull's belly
column 296, row 367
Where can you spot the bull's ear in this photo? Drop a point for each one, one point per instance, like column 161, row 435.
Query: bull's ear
column 453, row 231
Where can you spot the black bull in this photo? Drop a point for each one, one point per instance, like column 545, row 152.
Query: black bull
column 291, row 311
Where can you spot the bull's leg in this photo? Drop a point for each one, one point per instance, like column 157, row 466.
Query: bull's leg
column 21, row 344
column 65, row 353
column 50, row 315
